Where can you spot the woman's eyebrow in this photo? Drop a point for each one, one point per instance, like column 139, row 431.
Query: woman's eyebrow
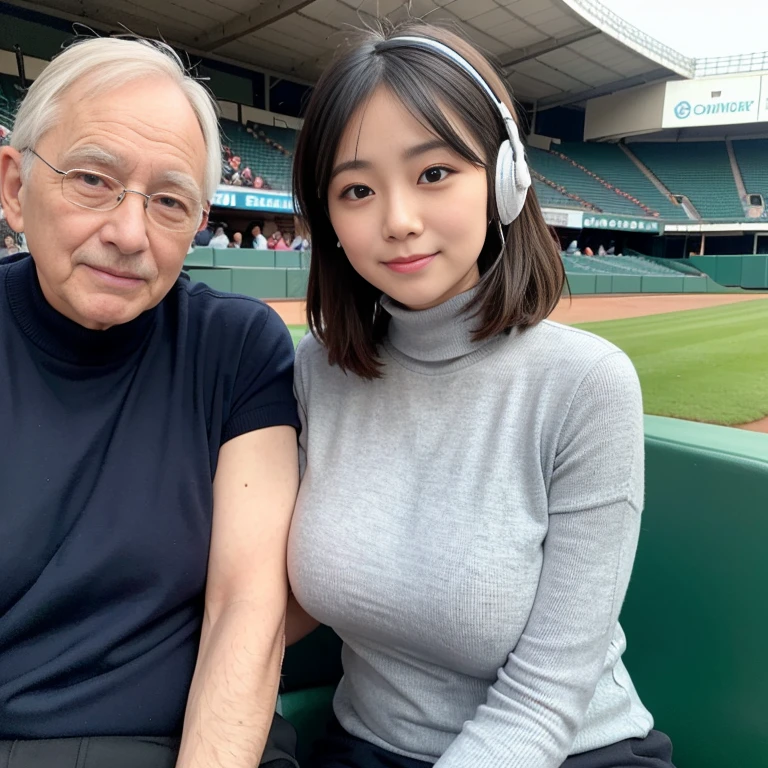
column 424, row 147
column 408, row 154
column 350, row 165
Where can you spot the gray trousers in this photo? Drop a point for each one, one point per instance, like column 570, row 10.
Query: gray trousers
column 129, row 751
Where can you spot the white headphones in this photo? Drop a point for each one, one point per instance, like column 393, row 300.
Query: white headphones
column 512, row 174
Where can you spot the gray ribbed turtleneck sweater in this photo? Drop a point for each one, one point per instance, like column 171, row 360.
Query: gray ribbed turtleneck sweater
column 467, row 524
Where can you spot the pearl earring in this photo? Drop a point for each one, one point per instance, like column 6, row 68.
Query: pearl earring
column 338, row 244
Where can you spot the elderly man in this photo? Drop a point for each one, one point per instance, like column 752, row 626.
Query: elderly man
column 149, row 432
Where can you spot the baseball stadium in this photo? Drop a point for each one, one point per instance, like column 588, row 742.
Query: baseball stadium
column 651, row 169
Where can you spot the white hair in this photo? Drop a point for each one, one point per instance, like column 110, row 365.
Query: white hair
column 109, row 63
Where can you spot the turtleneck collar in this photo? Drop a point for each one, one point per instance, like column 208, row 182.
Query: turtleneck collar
column 61, row 337
column 435, row 339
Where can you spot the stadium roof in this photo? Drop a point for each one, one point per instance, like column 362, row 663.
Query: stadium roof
column 554, row 52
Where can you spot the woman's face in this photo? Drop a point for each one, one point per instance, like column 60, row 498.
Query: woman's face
column 8, row 240
column 410, row 214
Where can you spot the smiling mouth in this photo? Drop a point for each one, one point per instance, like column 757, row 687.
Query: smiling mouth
column 407, row 264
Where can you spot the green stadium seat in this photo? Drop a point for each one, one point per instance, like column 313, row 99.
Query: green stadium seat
column 612, row 164
column 549, row 197
column 752, row 158
column 696, row 631
column 10, row 96
column 265, row 161
column 580, row 183
column 700, row 170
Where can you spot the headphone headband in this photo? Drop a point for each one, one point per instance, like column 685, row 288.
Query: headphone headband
column 513, row 177
column 410, row 41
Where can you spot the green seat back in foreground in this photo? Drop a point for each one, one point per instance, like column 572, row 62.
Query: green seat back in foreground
column 694, row 616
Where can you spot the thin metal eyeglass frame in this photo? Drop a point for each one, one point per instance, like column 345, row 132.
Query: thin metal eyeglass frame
column 203, row 212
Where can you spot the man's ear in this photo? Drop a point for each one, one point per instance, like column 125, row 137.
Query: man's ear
column 11, row 187
column 206, row 214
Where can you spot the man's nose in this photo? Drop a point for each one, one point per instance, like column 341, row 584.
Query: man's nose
column 128, row 223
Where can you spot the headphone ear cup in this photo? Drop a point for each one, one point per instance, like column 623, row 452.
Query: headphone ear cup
column 509, row 197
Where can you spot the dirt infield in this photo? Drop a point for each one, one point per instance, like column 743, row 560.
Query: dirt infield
column 587, row 309
column 761, row 425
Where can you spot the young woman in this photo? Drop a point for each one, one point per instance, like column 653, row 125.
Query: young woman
column 472, row 473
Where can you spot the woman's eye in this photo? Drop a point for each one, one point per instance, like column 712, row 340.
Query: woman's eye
column 432, row 175
column 358, row 192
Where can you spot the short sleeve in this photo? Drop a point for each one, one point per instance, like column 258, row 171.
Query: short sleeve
column 262, row 394
column 301, row 398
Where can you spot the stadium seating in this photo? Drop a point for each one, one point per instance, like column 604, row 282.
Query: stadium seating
column 286, row 137
column 695, row 639
column 580, row 183
column 627, row 274
column 265, row 161
column 9, row 99
column 699, row 170
column 616, row 265
column 283, row 274
column 612, row 164
column 752, row 157
column 551, row 197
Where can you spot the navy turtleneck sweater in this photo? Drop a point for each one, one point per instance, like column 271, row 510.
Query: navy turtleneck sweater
column 110, row 444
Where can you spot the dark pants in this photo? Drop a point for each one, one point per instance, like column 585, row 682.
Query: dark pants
column 340, row 750
column 130, row 752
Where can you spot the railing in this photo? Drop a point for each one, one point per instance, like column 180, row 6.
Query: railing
column 728, row 65
column 620, row 28
column 606, row 19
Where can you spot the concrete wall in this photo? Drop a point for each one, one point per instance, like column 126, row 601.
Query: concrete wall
column 637, row 110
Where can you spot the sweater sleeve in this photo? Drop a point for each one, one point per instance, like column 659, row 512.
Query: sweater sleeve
column 301, row 399
column 537, row 704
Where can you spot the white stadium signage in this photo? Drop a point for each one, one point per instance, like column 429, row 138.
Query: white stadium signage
column 715, row 101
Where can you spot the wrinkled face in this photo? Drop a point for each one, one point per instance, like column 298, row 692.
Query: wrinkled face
column 409, row 212
column 103, row 268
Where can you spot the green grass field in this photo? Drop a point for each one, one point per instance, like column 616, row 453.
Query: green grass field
column 703, row 364
column 297, row 331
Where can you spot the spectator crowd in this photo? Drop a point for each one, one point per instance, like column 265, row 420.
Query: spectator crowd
column 215, row 236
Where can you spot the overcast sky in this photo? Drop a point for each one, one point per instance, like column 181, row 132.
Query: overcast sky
column 735, row 27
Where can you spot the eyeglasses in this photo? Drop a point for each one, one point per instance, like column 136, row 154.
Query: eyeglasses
column 99, row 192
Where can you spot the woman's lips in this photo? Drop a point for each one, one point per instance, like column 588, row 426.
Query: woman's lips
column 408, row 264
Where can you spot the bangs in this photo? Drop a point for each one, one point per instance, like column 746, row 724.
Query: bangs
column 427, row 99
column 410, row 75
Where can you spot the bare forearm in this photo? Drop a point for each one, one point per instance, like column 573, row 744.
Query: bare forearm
column 232, row 698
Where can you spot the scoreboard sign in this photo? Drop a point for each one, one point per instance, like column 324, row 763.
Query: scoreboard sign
column 715, row 101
